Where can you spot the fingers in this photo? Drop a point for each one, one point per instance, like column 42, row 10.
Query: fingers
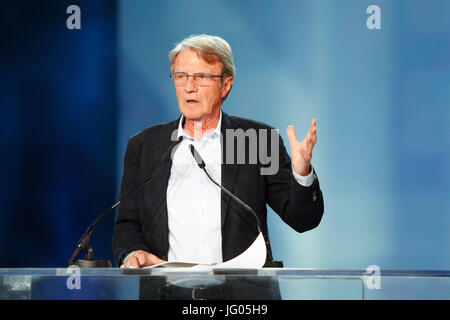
column 310, row 139
column 131, row 262
column 312, row 126
column 301, row 152
column 305, row 147
column 311, row 136
column 291, row 134
column 141, row 258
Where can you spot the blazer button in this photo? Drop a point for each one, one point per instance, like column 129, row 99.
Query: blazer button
column 314, row 196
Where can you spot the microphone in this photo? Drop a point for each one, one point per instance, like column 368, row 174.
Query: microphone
column 168, row 153
column 270, row 262
column 202, row 165
column 83, row 243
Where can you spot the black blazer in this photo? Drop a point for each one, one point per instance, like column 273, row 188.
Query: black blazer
column 142, row 221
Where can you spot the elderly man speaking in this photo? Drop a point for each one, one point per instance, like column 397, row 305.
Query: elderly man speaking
column 181, row 215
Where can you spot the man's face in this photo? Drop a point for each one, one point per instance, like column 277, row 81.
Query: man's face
column 196, row 102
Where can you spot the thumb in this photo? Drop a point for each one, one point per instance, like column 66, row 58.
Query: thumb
column 153, row 259
column 291, row 134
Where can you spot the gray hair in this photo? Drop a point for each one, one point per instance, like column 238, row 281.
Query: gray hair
column 210, row 48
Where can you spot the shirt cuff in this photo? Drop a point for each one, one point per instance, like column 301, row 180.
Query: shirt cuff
column 306, row 181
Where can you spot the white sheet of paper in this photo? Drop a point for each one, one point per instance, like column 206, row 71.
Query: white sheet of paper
column 253, row 258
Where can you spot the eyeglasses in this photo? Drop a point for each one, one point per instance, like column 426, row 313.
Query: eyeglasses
column 200, row 78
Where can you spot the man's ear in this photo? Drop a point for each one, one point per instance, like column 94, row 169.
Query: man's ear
column 227, row 84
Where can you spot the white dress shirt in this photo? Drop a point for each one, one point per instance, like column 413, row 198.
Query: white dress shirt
column 194, row 202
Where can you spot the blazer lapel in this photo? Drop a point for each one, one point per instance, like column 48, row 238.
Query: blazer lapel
column 165, row 138
column 162, row 178
column 229, row 170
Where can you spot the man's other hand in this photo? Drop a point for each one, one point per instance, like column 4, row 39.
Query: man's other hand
column 141, row 258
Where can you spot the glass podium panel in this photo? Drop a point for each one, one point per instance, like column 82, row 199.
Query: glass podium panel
column 245, row 284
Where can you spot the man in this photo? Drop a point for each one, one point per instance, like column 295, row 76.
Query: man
column 181, row 215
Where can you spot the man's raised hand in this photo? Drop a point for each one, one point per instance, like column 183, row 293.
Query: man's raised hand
column 301, row 151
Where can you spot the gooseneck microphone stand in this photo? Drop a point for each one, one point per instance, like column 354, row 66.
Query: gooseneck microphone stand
column 201, row 164
column 83, row 243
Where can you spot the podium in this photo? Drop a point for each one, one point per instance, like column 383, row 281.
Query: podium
column 294, row 284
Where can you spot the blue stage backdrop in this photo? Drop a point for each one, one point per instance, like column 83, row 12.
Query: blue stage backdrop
column 381, row 99
column 58, row 132
column 70, row 99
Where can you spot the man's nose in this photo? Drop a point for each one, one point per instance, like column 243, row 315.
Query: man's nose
column 190, row 85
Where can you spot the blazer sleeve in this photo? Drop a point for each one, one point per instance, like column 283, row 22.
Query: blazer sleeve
column 300, row 207
column 128, row 235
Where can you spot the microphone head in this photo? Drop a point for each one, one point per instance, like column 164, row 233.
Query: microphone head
column 168, row 153
column 198, row 159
